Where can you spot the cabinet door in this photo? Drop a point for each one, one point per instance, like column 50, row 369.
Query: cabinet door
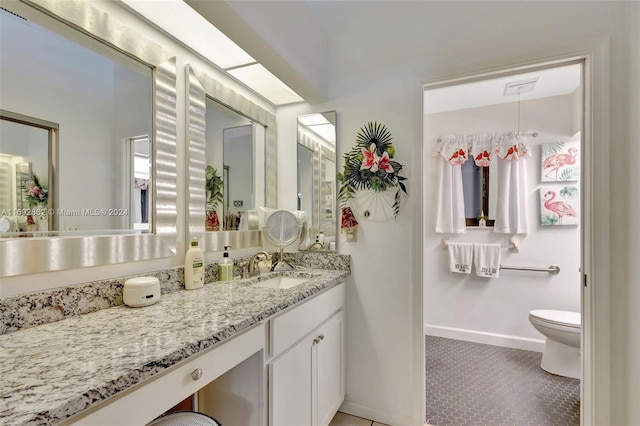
column 290, row 386
column 330, row 368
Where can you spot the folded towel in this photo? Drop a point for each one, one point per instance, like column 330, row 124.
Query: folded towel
column 487, row 260
column 460, row 255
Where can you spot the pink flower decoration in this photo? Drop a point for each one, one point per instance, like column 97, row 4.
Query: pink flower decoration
column 370, row 160
column 383, row 163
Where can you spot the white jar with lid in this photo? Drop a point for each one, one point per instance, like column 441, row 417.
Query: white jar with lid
column 141, row 291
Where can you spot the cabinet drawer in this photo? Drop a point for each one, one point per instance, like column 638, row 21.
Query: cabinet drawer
column 292, row 326
column 152, row 397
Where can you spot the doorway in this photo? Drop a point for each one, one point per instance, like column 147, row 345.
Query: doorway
column 551, row 116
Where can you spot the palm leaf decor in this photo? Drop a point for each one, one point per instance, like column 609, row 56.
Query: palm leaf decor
column 213, row 188
column 370, row 165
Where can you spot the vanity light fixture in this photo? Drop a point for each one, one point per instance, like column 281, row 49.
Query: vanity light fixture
column 183, row 23
column 318, row 124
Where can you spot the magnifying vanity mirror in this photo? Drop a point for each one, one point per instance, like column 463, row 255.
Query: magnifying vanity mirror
column 231, row 164
column 87, row 140
column 317, row 177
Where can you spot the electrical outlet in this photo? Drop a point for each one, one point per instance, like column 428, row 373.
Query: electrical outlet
column 237, row 203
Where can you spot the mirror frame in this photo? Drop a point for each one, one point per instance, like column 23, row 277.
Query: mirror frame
column 35, row 255
column 199, row 86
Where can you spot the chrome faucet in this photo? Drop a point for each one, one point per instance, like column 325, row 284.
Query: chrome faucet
column 253, row 269
column 316, row 246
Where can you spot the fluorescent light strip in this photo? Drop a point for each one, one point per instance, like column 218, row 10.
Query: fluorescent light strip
column 188, row 26
column 313, row 120
column 264, row 82
column 185, row 24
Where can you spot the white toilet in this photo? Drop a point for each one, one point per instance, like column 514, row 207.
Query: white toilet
column 561, row 354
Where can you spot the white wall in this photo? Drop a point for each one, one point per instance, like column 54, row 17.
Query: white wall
column 501, row 306
column 377, row 75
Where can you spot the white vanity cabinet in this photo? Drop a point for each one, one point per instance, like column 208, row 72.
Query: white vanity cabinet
column 307, row 368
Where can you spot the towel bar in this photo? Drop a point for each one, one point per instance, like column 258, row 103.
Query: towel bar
column 553, row 269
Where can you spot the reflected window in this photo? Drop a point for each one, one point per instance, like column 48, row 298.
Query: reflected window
column 26, row 148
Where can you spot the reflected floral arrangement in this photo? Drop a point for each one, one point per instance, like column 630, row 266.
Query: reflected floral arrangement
column 34, row 191
column 370, row 166
column 213, row 186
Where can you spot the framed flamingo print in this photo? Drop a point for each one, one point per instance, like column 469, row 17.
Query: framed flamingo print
column 560, row 162
column 559, row 205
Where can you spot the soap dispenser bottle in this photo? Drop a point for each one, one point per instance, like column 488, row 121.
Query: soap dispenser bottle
column 194, row 266
column 225, row 267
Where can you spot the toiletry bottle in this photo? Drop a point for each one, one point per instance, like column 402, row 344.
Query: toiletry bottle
column 482, row 222
column 320, row 239
column 194, row 266
column 225, row 267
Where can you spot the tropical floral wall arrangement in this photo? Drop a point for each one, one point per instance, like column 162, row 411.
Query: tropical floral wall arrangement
column 370, row 168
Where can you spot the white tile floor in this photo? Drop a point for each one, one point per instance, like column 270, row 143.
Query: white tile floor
column 342, row 419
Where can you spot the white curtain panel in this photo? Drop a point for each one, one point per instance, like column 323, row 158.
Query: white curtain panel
column 452, row 152
column 512, row 203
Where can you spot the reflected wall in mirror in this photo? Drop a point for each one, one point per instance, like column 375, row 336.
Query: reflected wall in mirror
column 234, row 145
column 99, row 101
column 231, row 164
column 317, row 176
column 73, row 65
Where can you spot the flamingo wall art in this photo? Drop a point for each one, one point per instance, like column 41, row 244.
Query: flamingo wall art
column 560, row 162
column 559, row 205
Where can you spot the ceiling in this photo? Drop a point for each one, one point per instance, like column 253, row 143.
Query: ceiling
column 550, row 82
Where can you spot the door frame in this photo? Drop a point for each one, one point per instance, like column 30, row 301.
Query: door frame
column 595, row 392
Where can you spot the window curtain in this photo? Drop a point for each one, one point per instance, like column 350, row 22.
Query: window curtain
column 512, row 215
column 453, row 152
column 505, row 152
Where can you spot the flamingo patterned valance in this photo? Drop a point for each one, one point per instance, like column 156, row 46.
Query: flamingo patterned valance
column 482, row 147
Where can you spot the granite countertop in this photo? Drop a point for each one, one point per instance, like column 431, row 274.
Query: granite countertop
column 53, row 371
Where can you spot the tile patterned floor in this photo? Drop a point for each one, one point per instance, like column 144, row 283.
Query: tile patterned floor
column 475, row 384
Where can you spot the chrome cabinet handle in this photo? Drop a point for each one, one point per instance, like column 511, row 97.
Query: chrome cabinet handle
column 196, row 374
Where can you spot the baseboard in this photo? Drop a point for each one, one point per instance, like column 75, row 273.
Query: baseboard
column 359, row 410
column 504, row 340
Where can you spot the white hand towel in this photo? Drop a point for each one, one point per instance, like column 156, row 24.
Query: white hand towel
column 460, row 256
column 486, row 259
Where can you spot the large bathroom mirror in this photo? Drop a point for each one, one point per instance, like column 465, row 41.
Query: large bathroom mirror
column 231, row 164
column 87, row 140
column 317, row 177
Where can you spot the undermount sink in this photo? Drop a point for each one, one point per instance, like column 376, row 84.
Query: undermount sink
column 281, row 282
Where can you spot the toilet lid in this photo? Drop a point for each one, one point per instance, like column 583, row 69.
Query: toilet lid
column 566, row 318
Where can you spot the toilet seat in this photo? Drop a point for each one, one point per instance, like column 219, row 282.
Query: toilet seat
column 561, row 318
